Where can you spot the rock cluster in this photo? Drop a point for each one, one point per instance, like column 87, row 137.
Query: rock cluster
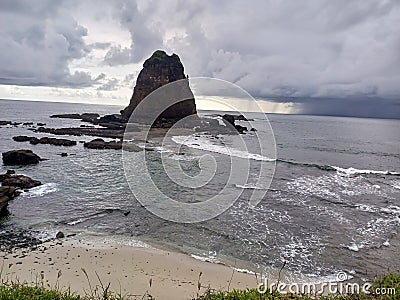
column 44, row 140
column 101, row 144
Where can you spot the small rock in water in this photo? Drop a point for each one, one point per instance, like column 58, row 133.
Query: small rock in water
column 64, row 154
column 60, row 235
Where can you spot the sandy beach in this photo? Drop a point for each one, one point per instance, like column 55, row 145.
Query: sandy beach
column 129, row 270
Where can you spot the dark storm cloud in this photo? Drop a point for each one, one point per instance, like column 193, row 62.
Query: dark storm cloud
column 276, row 49
column 38, row 39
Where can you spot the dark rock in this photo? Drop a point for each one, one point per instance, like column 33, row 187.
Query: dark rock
column 64, row 154
column 229, row 118
column 4, row 123
column 67, row 116
column 161, row 69
column 21, row 138
column 57, row 142
column 89, row 117
column 111, row 119
column 44, row 140
column 101, row 144
column 41, row 124
column 20, row 157
column 253, row 129
column 60, row 235
column 241, row 129
column 27, row 123
column 7, row 193
column 127, row 213
column 18, row 181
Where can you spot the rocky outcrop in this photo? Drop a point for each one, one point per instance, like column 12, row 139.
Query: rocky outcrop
column 161, row 69
column 20, row 157
column 11, row 183
column 44, row 140
column 18, row 181
column 7, row 193
column 231, row 120
column 67, row 116
column 86, row 117
column 21, row 181
column 101, row 144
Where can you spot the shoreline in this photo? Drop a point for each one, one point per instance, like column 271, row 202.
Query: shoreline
column 131, row 271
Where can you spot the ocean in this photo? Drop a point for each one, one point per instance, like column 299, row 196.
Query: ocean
column 333, row 203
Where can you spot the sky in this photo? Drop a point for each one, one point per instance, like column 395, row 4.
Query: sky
column 314, row 56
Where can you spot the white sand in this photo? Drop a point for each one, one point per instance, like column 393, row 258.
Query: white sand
column 129, row 270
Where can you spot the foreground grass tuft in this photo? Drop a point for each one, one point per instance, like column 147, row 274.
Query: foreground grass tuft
column 25, row 292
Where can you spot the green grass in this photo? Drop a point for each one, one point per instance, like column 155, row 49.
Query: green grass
column 24, row 292
column 390, row 280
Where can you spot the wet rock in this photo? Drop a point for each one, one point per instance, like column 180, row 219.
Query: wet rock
column 60, row 235
column 231, row 120
column 241, row 129
column 64, row 154
column 27, row 123
column 13, row 238
column 44, row 140
column 41, row 124
column 20, row 157
column 7, row 193
column 89, row 117
column 4, row 123
column 21, row 138
column 18, row 181
column 101, row 144
column 66, row 116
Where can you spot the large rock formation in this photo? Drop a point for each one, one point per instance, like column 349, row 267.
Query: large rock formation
column 161, row 69
column 20, row 157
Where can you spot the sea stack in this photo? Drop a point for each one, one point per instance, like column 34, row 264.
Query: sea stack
column 159, row 70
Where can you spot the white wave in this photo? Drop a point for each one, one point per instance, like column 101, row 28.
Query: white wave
column 392, row 209
column 396, row 184
column 386, row 243
column 244, row 271
column 41, row 190
column 354, row 171
column 204, row 143
column 206, row 258
column 354, row 247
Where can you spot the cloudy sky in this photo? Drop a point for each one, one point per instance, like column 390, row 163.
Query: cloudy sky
column 314, row 56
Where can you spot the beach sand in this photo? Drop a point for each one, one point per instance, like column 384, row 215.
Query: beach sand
column 129, row 270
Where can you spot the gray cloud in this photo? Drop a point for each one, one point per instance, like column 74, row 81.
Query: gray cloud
column 307, row 52
column 277, row 50
column 118, row 56
column 110, row 85
column 38, row 39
